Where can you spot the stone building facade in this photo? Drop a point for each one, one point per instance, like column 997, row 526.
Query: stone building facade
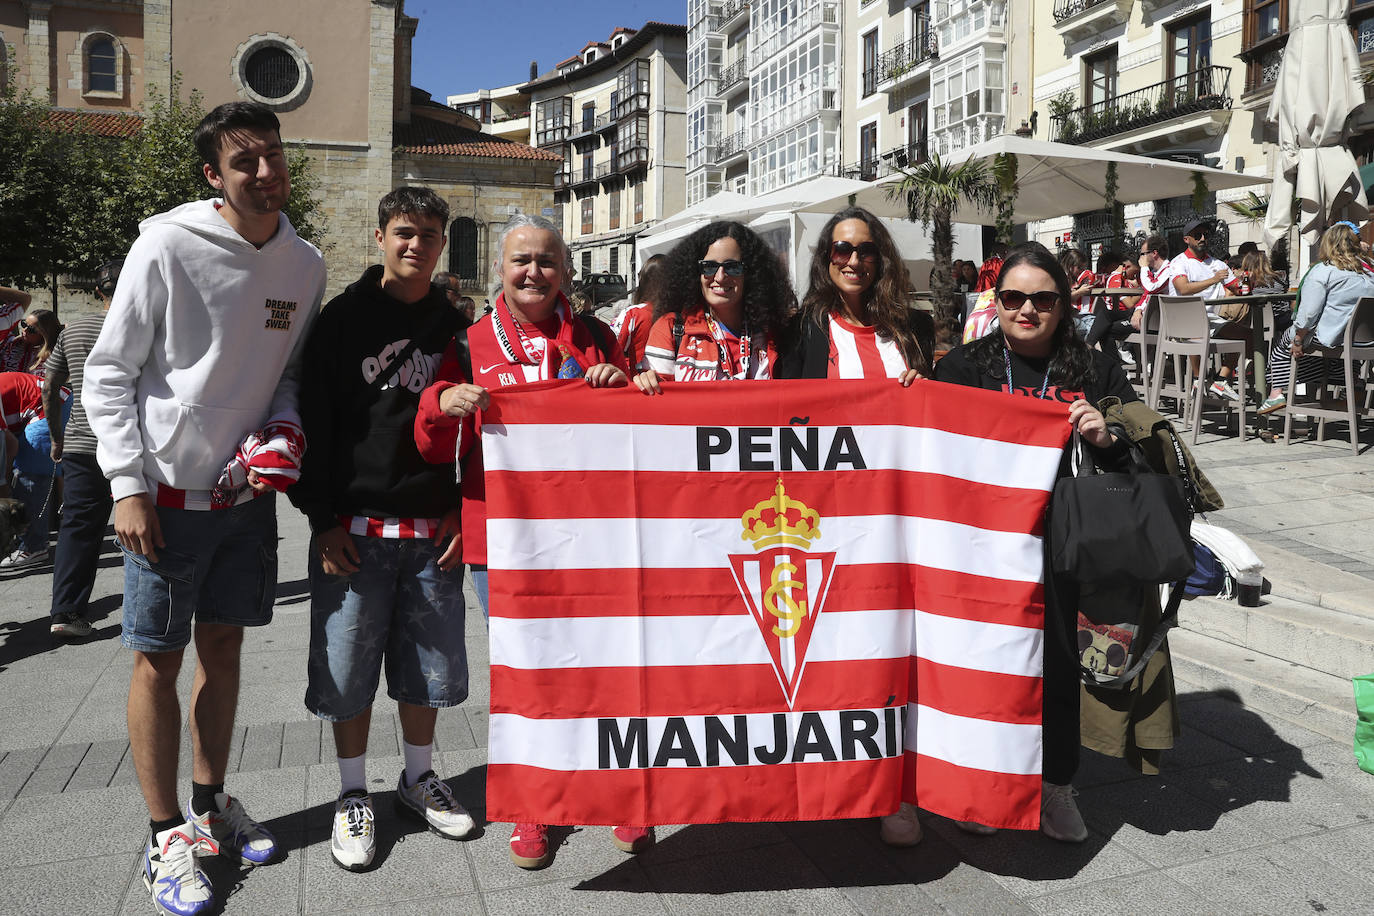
column 336, row 71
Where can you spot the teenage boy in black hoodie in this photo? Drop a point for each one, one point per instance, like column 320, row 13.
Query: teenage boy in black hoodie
column 386, row 574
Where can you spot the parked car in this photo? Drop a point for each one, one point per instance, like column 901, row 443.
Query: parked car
column 603, row 288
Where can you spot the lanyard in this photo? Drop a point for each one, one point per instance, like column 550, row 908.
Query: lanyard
column 745, row 348
column 1011, row 389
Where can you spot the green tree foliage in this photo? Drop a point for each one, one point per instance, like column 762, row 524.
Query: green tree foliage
column 934, row 190
column 70, row 200
column 1116, row 211
column 1004, row 167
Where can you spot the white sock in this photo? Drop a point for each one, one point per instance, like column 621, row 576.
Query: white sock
column 352, row 773
column 419, row 760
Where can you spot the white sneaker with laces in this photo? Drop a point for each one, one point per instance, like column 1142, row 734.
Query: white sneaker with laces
column 431, row 800
column 1126, row 358
column 1059, row 817
column 22, row 559
column 353, row 842
column 900, row 828
column 170, row 872
column 237, row 835
column 1222, row 389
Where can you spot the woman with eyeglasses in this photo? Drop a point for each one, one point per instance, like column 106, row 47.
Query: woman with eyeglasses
column 725, row 299
column 1036, row 351
column 855, row 321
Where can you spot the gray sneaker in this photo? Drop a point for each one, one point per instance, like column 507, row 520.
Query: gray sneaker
column 70, row 625
column 1059, row 817
column 431, row 800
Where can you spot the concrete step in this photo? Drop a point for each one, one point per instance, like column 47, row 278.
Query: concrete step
column 1311, row 582
column 1312, row 699
column 1331, row 641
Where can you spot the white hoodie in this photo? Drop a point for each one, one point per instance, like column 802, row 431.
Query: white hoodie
column 201, row 346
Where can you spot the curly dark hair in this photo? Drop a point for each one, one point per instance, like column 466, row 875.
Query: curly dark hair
column 768, row 296
column 1071, row 362
column 886, row 298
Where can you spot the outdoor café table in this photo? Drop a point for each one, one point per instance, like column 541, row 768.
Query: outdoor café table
column 1260, row 354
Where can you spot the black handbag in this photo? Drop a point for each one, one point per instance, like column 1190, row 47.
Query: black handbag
column 1119, row 527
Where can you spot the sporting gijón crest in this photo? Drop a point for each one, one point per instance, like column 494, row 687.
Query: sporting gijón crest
column 783, row 584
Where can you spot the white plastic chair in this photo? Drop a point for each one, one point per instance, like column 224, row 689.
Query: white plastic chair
column 1360, row 330
column 1185, row 331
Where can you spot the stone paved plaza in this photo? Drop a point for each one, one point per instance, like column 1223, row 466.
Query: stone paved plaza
column 1253, row 814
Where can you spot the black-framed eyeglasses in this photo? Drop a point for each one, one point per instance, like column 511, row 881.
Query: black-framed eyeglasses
column 1013, row 299
column 732, row 268
column 841, row 252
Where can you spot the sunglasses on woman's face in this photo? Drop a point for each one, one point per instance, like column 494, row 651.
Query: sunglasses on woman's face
column 840, row 252
column 1013, row 299
column 27, row 328
column 731, row 268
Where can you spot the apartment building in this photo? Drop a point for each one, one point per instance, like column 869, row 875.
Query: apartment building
column 502, row 112
column 764, row 97
column 616, row 113
column 1187, row 81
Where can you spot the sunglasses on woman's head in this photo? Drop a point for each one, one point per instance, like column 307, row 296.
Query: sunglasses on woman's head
column 840, row 252
column 1013, row 299
column 731, row 268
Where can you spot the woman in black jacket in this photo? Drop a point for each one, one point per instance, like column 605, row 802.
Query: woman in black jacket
column 855, row 321
column 1036, row 351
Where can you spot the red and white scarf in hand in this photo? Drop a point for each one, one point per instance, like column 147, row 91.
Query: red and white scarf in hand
column 275, row 452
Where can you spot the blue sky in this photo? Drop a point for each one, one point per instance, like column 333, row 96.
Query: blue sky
column 462, row 46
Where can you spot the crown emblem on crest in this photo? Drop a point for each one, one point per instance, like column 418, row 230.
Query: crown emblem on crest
column 780, row 519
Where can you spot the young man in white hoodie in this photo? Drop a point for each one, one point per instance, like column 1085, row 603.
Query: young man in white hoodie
column 201, row 349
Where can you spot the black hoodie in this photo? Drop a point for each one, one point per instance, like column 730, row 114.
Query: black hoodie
column 360, row 456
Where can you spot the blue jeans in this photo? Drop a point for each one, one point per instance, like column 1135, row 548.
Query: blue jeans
column 86, row 505
column 34, row 490
column 218, row 567
column 400, row 609
column 479, row 584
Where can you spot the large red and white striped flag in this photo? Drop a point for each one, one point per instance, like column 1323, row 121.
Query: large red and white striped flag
column 766, row 602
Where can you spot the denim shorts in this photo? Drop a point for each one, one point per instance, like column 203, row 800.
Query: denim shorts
column 218, row 567
column 399, row 608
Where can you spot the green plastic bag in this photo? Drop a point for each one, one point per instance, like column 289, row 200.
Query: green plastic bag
column 1364, row 724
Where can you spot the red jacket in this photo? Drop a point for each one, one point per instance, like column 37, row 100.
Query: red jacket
column 439, row 436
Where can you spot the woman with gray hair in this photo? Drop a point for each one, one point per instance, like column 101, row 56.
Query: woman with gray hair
column 530, row 335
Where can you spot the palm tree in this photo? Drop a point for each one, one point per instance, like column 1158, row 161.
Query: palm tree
column 934, row 189
column 1252, row 208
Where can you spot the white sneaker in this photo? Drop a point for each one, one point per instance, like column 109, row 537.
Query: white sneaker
column 1126, row 358
column 431, row 800
column 354, row 841
column 237, row 835
column 1059, row 817
column 1222, row 389
column 22, row 559
column 170, row 872
column 901, row 828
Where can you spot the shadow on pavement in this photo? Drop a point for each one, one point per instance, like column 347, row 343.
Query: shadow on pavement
column 22, row 639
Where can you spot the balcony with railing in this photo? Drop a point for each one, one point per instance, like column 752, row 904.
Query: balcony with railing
column 730, row 147
column 1183, row 109
column 634, row 157
column 901, row 157
column 561, row 180
column 733, row 77
column 585, row 175
column 606, row 169
column 904, row 63
column 730, row 15
column 1076, row 20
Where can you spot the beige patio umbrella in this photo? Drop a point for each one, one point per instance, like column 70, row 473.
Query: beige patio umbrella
column 1317, row 88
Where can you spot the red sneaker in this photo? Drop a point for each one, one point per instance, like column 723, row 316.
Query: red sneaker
column 632, row 839
column 529, row 845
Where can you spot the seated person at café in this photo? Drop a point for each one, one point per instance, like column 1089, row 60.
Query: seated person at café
column 1330, row 292
column 1197, row 273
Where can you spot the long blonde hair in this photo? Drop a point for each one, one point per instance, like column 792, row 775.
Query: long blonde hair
column 48, row 328
column 1340, row 248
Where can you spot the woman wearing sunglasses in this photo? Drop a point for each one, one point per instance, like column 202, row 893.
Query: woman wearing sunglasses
column 724, row 301
column 1036, row 351
column 854, row 321
column 40, row 329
